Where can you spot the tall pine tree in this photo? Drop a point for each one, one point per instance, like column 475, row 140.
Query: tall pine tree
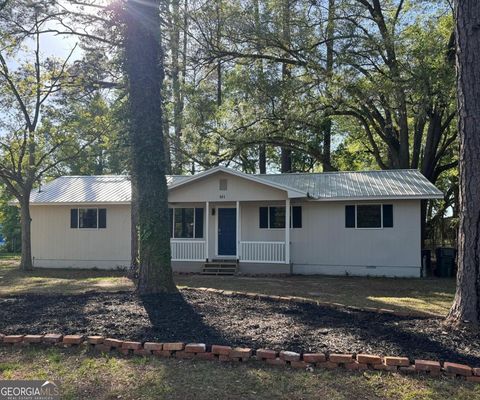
column 144, row 70
column 466, row 306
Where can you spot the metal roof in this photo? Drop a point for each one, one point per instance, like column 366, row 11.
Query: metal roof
column 88, row 189
column 84, row 189
column 406, row 183
column 362, row 185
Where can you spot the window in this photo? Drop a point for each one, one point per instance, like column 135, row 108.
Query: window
column 186, row 223
column 183, row 222
column 277, row 217
column 88, row 218
column 274, row 217
column 369, row 216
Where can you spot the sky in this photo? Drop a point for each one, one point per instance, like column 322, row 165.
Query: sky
column 60, row 45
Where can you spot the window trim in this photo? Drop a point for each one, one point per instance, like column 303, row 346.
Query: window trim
column 278, row 229
column 381, row 216
column 194, row 223
column 98, row 216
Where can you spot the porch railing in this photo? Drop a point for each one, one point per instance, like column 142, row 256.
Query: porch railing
column 262, row 252
column 187, row 250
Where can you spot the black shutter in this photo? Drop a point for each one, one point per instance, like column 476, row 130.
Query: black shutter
column 170, row 212
column 199, row 222
column 102, row 217
column 263, row 217
column 74, row 218
column 388, row 216
column 296, row 217
column 349, row 216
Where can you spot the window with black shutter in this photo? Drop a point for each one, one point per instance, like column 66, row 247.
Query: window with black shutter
column 186, row 223
column 87, row 218
column 263, row 217
column 365, row 216
column 277, row 217
column 102, row 218
column 274, row 217
column 349, row 216
column 74, row 218
column 296, row 217
column 369, row 216
column 199, row 223
column 388, row 216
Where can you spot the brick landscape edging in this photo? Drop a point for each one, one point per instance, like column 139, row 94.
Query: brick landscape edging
column 298, row 299
column 201, row 351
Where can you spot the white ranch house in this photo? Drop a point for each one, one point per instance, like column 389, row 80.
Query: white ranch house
column 358, row 223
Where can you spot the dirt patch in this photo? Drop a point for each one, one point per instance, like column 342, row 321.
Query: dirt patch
column 198, row 316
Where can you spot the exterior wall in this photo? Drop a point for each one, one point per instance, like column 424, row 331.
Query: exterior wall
column 56, row 245
column 324, row 246
column 251, row 224
column 238, row 189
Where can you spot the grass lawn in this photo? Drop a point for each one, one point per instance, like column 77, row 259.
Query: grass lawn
column 430, row 295
column 85, row 375
column 14, row 281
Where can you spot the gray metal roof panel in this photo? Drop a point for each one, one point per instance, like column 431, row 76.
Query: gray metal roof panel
column 320, row 186
column 360, row 184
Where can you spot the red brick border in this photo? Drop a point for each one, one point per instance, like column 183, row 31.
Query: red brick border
column 202, row 351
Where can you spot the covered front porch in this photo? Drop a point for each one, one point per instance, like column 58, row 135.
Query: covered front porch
column 227, row 215
column 247, row 232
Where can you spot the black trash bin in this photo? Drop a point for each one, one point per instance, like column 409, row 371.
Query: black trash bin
column 426, row 262
column 445, row 262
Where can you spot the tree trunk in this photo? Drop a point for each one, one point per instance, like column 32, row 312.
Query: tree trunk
column 262, row 148
column 286, row 160
column 177, row 98
column 327, row 133
column 466, row 306
column 26, row 223
column 134, row 228
column 262, row 158
column 219, row 64
column 144, row 70
column 327, row 147
column 286, row 153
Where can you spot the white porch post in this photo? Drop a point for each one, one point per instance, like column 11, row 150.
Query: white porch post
column 207, row 214
column 239, row 230
column 287, row 231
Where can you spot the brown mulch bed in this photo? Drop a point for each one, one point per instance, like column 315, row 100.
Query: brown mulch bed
column 199, row 316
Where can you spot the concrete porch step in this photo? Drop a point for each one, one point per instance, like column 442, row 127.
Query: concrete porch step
column 220, row 267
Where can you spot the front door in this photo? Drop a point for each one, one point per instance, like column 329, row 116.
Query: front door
column 227, row 232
